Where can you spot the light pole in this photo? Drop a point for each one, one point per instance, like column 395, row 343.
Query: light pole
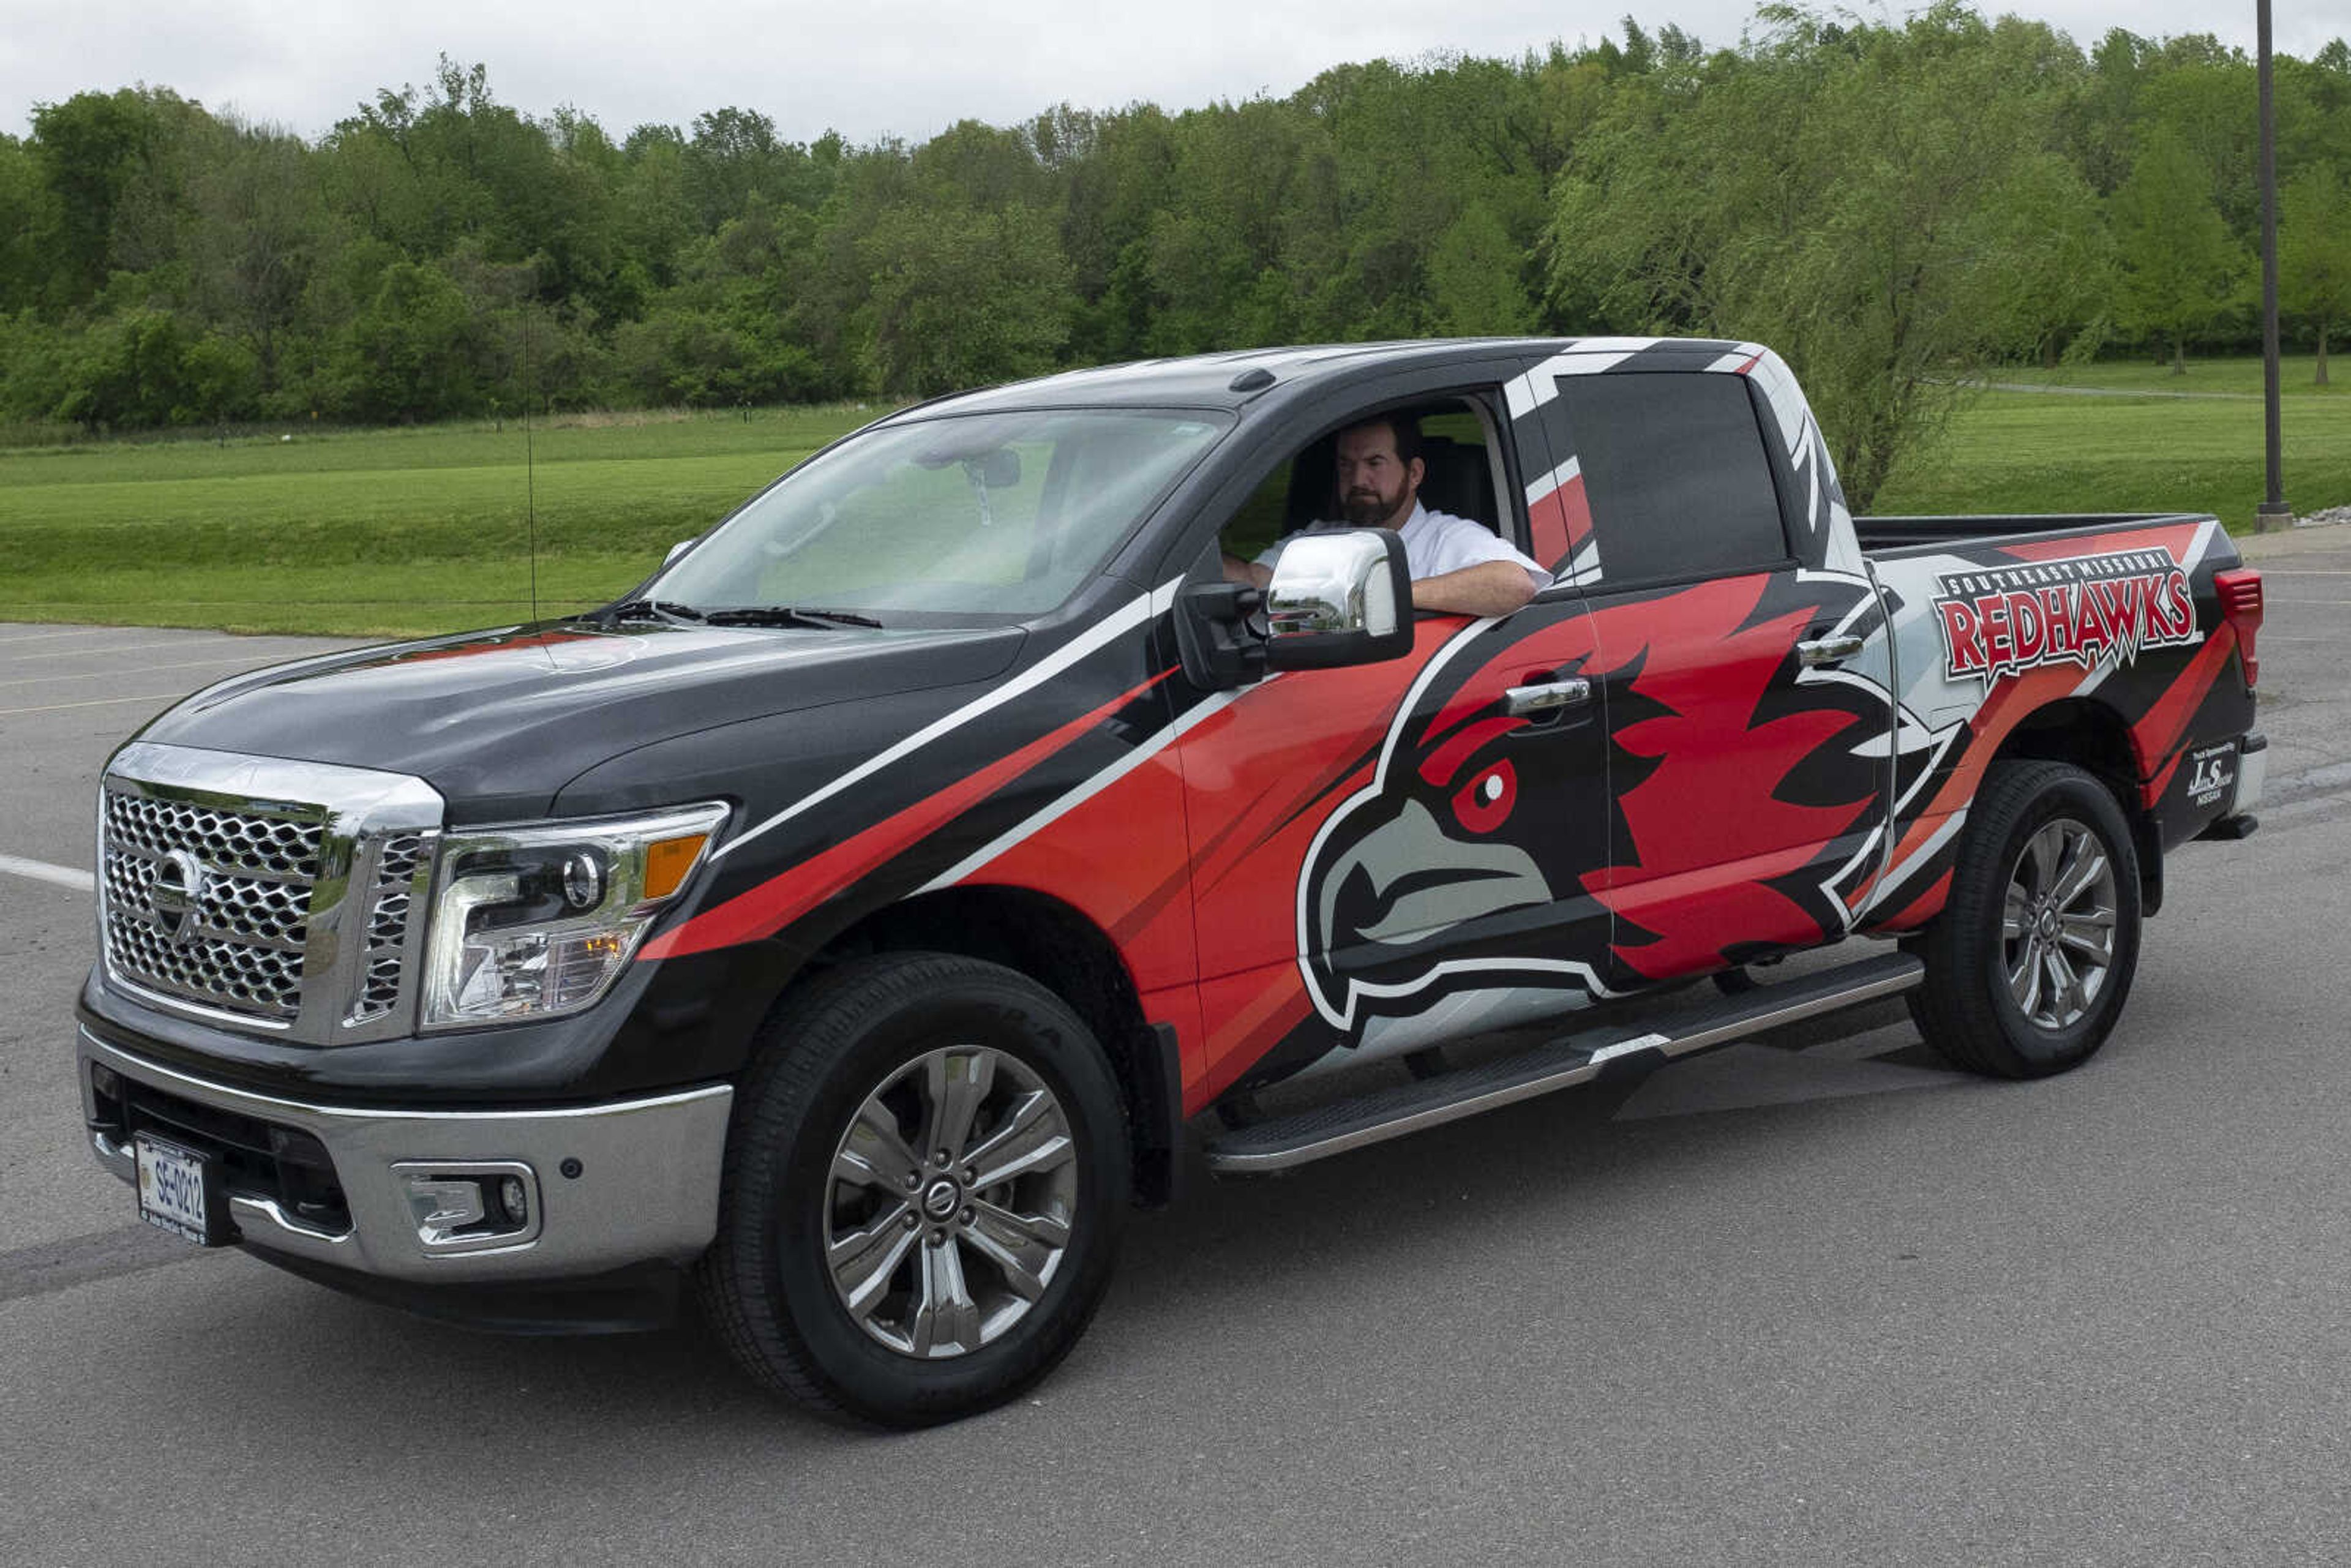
column 2273, row 514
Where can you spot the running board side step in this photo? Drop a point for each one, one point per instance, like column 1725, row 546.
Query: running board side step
column 1319, row 1132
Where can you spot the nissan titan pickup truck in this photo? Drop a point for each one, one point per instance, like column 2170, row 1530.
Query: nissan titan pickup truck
column 852, row 923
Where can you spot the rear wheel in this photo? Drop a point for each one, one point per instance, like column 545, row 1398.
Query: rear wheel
column 926, row 1181
column 2031, row 960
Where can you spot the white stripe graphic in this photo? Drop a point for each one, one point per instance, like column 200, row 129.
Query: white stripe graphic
column 1900, row 873
column 1558, row 478
column 1046, row 816
column 1519, row 393
column 1134, row 612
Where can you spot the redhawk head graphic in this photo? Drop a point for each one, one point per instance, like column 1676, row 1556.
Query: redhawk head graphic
column 1491, row 849
column 1476, row 826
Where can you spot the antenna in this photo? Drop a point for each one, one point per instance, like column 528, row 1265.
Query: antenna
column 529, row 463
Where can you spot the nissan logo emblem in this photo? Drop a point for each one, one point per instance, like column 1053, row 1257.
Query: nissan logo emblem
column 176, row 895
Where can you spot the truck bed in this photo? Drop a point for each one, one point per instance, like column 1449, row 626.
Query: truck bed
column 1889, row 536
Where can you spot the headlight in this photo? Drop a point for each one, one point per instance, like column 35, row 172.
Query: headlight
column 536, row 922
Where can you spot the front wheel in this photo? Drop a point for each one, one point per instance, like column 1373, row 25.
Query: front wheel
column 926, row 1181
column 2031, row 958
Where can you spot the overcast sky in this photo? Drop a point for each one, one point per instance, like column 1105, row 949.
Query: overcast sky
column 904, row 68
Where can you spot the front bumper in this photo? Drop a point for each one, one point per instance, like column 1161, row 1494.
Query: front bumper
column 611, row 1185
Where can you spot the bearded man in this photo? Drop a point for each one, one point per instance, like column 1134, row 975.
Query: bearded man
column 1458, row 567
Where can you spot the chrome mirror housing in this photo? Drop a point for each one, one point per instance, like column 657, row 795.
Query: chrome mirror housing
column 1338, row 597
column 676, row 550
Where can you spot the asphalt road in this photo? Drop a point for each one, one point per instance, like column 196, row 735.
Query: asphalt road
column 1827, row 1305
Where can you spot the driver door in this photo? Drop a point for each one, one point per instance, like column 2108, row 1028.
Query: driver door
column 1391, row 854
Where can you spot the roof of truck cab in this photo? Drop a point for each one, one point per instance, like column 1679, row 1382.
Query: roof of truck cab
column 1206, row 380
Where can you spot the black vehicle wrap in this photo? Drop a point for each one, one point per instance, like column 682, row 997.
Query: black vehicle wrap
column 1239, row 849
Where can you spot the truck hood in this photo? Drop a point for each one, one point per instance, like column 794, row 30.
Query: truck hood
column 499, row 722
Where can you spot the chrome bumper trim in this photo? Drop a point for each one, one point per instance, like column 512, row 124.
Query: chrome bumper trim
column 647, row 1189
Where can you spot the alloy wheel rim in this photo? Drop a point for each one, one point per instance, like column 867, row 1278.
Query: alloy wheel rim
column 2057, row 924
column 950, row 1202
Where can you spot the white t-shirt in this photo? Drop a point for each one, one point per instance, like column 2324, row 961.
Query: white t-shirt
column 1437, row 542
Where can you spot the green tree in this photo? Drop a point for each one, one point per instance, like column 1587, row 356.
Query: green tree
column 410, row 354
column 1847, row 196
column 107, row 160
column 1474, row 278
column 2314, row 253
column 27, row 213
column 965, row 298
column 2181, row 270
column 145, row 368
column 258, row 223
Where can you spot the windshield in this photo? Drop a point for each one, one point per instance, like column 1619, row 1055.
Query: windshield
column 960, row 517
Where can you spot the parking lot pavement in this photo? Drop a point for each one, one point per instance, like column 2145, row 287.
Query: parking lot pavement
column 2305, row 648
column 69, row 696
column 1819, row 1305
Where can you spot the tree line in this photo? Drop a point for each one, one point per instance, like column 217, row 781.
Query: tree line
column 1896, row 206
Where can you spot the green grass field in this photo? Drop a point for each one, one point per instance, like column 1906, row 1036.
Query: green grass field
column 406, row 532
column 394, row 532
column 2062, row 452
column 2239, row 376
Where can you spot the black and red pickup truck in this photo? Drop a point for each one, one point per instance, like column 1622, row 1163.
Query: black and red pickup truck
column 852, row 920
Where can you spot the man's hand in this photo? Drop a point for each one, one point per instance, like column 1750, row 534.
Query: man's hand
column 1248, row 571
column 1490, row 588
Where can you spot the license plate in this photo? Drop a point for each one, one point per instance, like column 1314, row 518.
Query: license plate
column 175, row 1191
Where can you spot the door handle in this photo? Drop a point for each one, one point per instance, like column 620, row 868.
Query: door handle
column 1820, row 652
column 1547, row 695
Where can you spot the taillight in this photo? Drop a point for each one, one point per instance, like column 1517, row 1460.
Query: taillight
column 2240, row 606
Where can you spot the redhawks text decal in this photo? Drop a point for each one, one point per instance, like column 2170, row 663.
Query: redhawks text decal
column 2086, row 610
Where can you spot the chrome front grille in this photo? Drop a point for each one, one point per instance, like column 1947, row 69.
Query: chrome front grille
column 272, row 846
column 240, row 946
column 398, row 862
column 276, row 895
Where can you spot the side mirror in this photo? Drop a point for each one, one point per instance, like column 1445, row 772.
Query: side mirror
column 1342, row 597
column 676, row 550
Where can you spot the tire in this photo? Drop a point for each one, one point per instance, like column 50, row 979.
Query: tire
column 994, row 1281
column 1992, row 1001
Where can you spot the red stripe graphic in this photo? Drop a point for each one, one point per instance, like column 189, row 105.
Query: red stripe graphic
column 2165, row 727
column 1561, row 522
column 767, row 908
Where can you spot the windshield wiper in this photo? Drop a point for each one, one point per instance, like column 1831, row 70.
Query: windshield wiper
column 645, row 610
column 788, row 615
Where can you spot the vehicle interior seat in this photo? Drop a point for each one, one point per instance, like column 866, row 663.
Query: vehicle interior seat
column 1458, row 480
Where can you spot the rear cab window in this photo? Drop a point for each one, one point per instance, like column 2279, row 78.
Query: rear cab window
column 1677, row 474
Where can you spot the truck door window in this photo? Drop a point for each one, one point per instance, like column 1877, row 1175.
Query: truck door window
column 1459, row 477
column 1675, row 468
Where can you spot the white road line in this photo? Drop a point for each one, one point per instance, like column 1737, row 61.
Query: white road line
column 41, row 871
column 102, row 702
column 76, row 631
column 256, row 659
column 2304, row 571
column 2274, row 600
column 194, row 640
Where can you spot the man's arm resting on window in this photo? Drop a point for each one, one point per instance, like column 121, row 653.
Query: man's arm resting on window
column 1489, row 587
column 1248, row 571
